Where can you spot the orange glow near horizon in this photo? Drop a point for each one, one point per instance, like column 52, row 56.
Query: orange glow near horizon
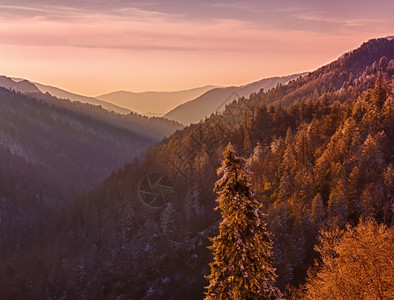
column 93, row 53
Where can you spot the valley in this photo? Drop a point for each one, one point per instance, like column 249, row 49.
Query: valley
column 98, row 203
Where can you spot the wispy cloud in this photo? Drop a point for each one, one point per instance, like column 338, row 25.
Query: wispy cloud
column 317, row 21
column 140, row 32
column 195, row 41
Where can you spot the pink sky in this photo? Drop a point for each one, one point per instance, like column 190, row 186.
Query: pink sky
column 95, row 47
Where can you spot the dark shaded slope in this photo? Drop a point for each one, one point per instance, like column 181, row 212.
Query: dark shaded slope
column 154, row 128
column 52, row 150
column 68, row 150
column 48, row 155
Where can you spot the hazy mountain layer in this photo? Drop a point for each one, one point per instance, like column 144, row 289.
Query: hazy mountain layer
column 22, row 86
column 26, row 87
column 59, row 93
column 153, row 103
column 216, row 99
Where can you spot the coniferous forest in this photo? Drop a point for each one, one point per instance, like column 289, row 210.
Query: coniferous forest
column 287, row 193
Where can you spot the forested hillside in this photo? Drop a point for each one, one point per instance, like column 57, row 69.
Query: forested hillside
column 155, row 128
column 320, row 150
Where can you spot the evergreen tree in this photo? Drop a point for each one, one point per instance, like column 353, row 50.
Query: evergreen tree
column 242, row 266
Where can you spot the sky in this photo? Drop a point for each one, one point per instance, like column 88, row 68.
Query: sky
column 99, row 46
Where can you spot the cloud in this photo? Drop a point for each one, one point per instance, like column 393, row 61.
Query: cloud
column 202, row 40
column 135, row 29
column 317, row 21
column 170, row 25
column 125, row 28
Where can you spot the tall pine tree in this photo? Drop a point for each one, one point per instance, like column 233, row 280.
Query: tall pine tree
column 242, row 266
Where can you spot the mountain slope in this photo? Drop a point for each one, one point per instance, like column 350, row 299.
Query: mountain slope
column 49, row 154
column 154, row 128
column 51, row 151
column 153, row 103
column 361, row 62
column 22, row 86
column 67, row 147
column 215, row 100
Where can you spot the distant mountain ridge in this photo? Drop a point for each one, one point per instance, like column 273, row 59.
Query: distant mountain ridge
column 185, row 106
column 22, row 86
column 153, row 102
column 214, row 100
column 59, row 93
column 26, row 87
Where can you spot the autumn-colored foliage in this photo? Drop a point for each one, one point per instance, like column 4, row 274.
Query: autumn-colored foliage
column 356, row 263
